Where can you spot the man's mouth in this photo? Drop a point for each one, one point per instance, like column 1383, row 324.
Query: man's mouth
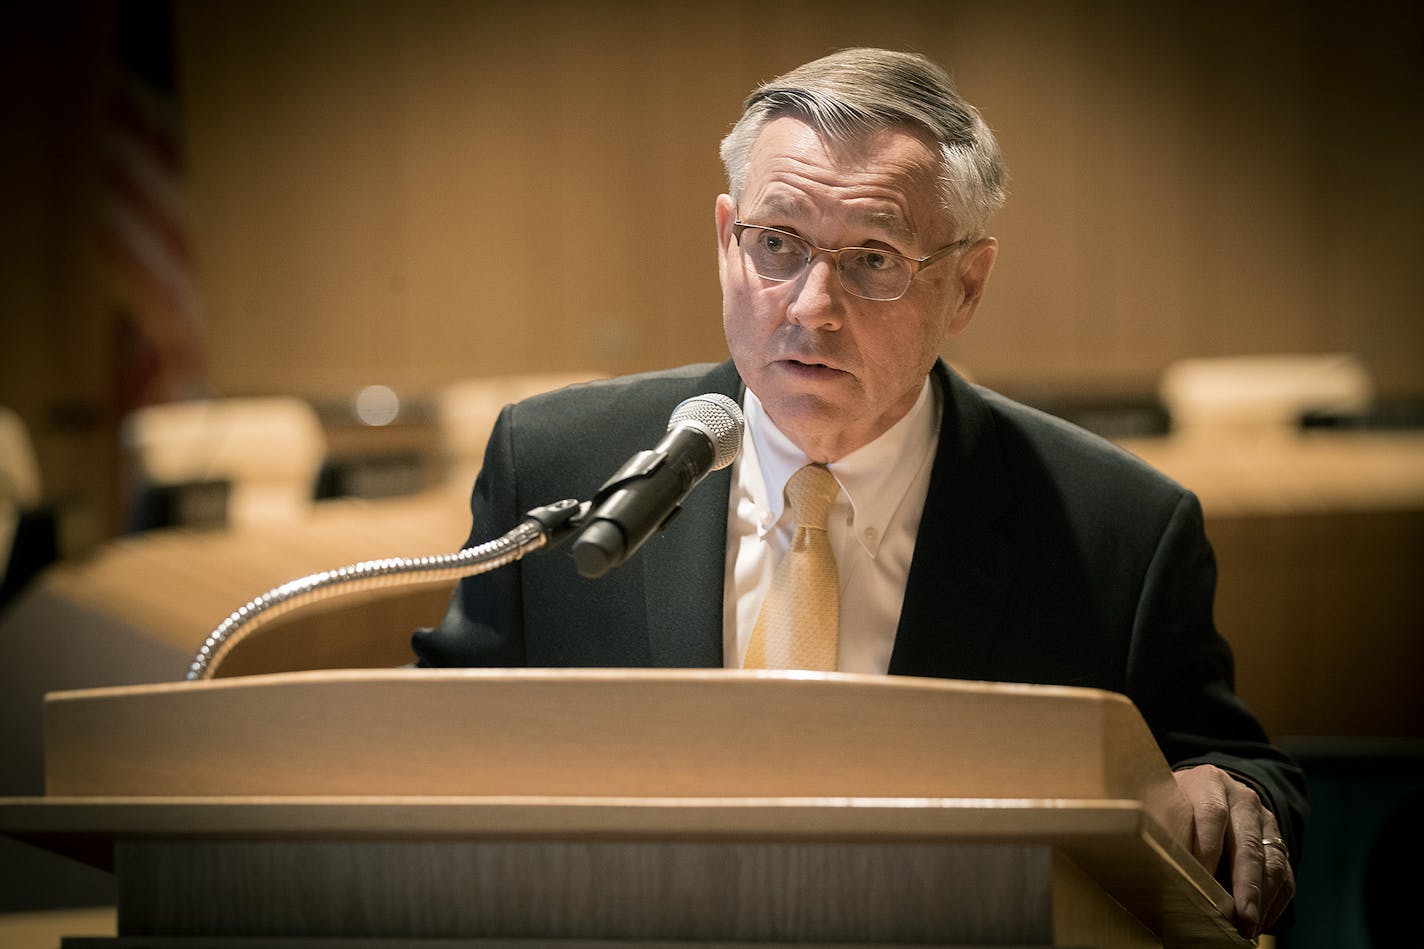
column 808, row 368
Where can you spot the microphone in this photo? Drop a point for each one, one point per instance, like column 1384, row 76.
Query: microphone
column 703, row 435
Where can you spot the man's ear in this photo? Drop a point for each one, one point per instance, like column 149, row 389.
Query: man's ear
column 975, row 265
column 726, row 216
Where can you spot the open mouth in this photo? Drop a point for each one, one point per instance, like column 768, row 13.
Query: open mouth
column 808, row 369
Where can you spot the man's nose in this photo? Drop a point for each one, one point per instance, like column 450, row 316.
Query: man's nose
column 819, row 302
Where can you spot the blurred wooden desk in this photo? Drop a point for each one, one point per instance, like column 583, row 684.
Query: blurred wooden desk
column 1319, row 537
column 173, row 586
column 45, row 929
column 138, row 609
column 1275, row 471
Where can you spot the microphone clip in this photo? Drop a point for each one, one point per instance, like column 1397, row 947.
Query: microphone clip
column 561, row 520
column 641, row 465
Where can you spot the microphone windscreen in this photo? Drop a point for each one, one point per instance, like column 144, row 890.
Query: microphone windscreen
column 720, row 417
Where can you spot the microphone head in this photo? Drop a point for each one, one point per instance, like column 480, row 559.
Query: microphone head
column 717, row 415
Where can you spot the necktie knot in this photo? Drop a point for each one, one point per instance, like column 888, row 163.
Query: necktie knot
column 811, row 491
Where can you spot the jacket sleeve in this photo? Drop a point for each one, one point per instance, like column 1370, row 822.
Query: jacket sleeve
column 1181, row 675
column 483, row 625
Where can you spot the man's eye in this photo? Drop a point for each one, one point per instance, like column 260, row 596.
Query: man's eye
column 777, row 243
column 874, row 261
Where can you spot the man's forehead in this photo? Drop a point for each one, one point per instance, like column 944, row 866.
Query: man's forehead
column 875, row 215
column 885, row 181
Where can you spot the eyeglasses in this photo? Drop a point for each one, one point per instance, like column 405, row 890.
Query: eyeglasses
column 868, row 272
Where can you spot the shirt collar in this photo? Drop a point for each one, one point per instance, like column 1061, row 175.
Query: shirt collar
column 874, row 477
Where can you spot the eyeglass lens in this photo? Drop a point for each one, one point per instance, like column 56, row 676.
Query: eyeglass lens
column 864, row 271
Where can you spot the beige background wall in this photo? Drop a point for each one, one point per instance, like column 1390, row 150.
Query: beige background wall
column 416, row 192
column 411, row 193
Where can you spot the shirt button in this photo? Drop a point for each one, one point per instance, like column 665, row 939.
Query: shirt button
column 869, row 533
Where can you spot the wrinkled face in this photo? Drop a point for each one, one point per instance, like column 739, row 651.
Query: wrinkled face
column 835, row 371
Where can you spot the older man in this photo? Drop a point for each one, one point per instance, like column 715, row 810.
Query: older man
column 950, row 532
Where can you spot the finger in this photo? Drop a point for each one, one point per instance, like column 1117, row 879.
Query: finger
column 1210, row 840
column 1278, row 885
column 1272, row 879
column 1206, row 792
column 1248, row 858
column 1284, row 894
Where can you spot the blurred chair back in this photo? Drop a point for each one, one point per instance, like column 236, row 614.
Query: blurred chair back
column 20, row 487
column 466, row 411
column 1255, row 394
column 267, row 451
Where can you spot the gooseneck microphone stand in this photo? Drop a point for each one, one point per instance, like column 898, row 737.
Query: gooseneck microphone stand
column 544, row 527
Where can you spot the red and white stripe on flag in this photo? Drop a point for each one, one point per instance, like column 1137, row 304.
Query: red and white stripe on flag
column 145, row 244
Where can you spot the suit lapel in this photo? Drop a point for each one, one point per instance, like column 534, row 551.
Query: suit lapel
column 684, row 568
column 959, row 577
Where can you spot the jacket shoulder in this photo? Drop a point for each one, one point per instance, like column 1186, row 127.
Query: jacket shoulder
column 565, row 442
column 638, row 396
column 1062, row 450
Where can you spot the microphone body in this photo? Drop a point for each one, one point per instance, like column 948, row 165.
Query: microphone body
column 704, row 434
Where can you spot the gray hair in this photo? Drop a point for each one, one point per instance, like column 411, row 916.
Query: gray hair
column 855, row 92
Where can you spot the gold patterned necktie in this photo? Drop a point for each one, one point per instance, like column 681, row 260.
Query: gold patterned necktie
column 799, row 623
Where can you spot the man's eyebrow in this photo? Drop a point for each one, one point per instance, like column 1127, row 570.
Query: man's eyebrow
column 780, row 207
column 885, row 220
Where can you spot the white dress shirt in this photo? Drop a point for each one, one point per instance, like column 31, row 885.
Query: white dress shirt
column 872, row 528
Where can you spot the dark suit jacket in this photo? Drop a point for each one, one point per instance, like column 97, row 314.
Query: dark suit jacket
column 1044, row 555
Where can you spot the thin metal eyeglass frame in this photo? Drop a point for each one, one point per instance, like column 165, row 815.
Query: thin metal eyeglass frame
column 919, row 263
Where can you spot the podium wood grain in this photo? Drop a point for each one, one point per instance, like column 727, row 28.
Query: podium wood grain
column 640, row 733
column 493, row 867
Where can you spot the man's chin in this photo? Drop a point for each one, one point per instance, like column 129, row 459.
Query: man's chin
column 802, row 413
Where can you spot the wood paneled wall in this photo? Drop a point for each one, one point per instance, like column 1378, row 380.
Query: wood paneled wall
column 417, row 192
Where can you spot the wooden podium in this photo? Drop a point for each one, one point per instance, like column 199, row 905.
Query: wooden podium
column 503, row 808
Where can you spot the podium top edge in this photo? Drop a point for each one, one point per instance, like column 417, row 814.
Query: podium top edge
column 595, row 677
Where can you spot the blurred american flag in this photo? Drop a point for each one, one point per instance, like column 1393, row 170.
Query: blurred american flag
column 144, row 236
